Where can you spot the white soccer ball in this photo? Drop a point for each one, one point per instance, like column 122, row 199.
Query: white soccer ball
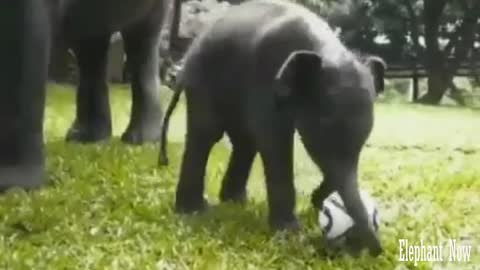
column 335, row 221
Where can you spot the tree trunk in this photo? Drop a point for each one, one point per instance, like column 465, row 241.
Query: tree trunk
column 440, row 75
column 434, row 62
column 437, row 86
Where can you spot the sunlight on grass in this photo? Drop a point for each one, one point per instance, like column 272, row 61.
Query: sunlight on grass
column 108, row 206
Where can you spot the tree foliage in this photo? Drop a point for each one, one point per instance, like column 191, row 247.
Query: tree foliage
column 440, row 34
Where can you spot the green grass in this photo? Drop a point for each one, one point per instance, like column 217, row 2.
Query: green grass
column 107, row 206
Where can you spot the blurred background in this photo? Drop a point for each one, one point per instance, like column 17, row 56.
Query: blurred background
column 432, row 47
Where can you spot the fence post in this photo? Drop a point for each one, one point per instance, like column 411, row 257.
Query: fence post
column 415, row 86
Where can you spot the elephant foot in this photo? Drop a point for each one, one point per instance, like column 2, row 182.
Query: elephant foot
column 239, row 197
column 285, row 224
column 143, row 131
column 358, row 239
column 21, row 176
column 88, row 133
column 189, row 206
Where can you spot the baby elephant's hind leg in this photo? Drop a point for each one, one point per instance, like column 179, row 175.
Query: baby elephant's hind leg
column 235, row 180
column 203, row 131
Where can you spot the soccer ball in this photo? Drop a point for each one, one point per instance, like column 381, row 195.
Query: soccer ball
column 335, row 221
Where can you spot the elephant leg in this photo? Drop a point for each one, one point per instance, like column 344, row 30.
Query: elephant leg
column 24, row 54
column 203, row 131
column 276, row 150
column 142, row 49
column 235, row 180
column 342, row 172
column 93, row 118
column 321, row 193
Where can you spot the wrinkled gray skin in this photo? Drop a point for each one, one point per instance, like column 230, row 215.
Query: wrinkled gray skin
column 29, row 28
column 258, row 74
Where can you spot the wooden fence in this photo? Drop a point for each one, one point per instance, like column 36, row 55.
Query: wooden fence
column 414, row 71
column 64, row 69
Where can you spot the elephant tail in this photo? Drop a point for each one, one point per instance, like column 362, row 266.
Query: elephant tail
column 163, row 157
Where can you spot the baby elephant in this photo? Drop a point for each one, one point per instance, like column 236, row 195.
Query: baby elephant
column 264, row 70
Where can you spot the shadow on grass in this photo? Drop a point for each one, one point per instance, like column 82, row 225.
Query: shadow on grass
column 232, row 224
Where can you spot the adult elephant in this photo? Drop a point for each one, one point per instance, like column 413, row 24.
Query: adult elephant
column 28, row 29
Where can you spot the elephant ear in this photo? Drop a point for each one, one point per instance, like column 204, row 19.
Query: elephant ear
column 299, row 73
column 377, row 67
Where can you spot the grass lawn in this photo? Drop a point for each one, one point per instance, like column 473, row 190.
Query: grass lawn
column 108, row 206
